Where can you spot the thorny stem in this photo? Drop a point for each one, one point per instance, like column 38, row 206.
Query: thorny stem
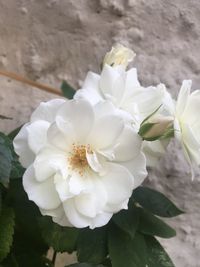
column 54, row 258
column 30, row 82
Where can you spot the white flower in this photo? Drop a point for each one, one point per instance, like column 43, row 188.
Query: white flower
column 187, row 123
column 133, row 102
column 82, row 161
column 119, row 55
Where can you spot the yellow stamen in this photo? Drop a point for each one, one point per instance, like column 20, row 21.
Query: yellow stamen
column 77, row 159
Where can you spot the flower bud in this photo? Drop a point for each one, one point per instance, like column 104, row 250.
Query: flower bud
column 119, row 55
column 156, row 127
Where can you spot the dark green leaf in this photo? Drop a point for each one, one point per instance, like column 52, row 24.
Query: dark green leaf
column 28, row 257
column 155, row 202
column 84, row 265
column 92, row 245
column 6, row 231
column 151, row 225
column 5, row 159
column 12, row 134
column 0, row 201
column 67, row 90
column 17, row 170
column 127, row 220
column 126, row 251
column 62, row 239
column 10, row 261
column 107, row 263
column 26, row 213
column 157, row 256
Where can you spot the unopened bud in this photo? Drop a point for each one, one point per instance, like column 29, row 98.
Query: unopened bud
column 119, row 55
column 156, row 127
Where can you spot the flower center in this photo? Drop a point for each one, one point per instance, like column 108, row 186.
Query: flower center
column 77, row 159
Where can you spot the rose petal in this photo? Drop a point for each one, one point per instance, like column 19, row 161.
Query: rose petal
column 47, row 110
column 37, row 135
column 128, row 145
column 105, row 132
column 42, row 193
column 118, row 183
column 74, row 217
column 137, row 167
column 26, row 156
column 77, row 114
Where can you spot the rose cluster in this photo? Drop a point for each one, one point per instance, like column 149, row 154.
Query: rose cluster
column 85, row 156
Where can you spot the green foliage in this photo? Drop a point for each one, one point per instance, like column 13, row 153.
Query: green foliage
column 156, row 254
column 151, row 225
column 85, row 265
column 27, row 214
column 126, row 251
column 127, row 220
column 67, row 90
column 26, row 254
column 60, row 238
column 12, row 134
column 155, row 202
column 10, row 261
column 6, row 231
column 0, row 201
column 5, row 159
column 92, row 245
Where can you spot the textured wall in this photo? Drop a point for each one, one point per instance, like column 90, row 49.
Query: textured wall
column 52, row 39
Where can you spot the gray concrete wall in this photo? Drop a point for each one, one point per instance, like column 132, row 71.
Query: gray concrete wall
column 50, row 40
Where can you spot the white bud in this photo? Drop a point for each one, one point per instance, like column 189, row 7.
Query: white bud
column 156, row 126
column 119, row 55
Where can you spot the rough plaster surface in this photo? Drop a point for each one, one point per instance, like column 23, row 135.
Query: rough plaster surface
column 52, row 39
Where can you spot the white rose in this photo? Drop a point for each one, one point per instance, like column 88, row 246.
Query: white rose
column 187, row 123
column 83, row 161
column 133, row 102
column 119, row 55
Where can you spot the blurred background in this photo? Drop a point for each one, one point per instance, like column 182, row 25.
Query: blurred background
column 52, row 40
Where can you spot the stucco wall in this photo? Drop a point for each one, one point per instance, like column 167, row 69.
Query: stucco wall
column 52, row 39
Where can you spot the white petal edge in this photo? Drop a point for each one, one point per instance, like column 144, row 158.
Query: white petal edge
column 43, row 194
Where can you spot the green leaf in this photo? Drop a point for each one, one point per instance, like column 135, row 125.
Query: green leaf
column 62, row 239
column 92, row 245
column 27, row 214
column 84, row 265
column 5, row 159
column 0, row 201
column 126, row 251
column 6, row 231
column 127, row 220
column 27, row 256
column 10, row 261
column 157, row 256
column 17, row 170
column 155, row 202
column 67, row 90
column 151, row 225
column 12, row 134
